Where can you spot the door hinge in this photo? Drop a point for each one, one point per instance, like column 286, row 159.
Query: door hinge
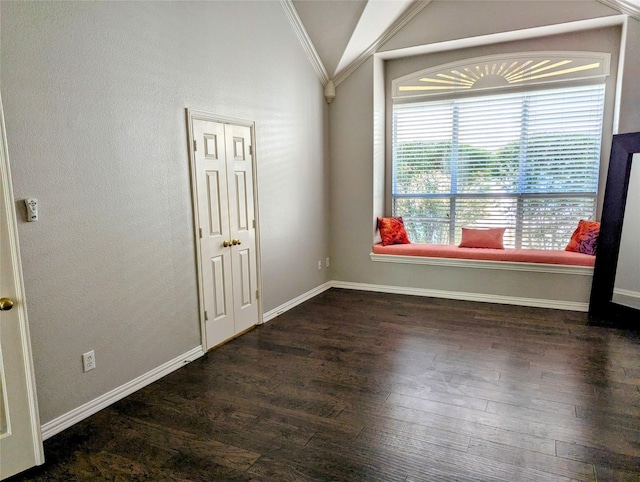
column 200, row 233
column 206, row 316
column 250, row 150
column 195, row 145
column 257, row 294
column 254, row 224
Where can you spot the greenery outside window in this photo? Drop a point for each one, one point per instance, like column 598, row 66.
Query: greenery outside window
column 525, row 160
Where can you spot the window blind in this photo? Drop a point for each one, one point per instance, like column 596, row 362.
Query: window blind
column 527, row 161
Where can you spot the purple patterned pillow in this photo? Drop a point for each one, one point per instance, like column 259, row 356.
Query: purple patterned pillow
column 585, row 238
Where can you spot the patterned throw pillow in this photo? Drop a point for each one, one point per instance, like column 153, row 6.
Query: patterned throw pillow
column 392, row 231
column 585, row 238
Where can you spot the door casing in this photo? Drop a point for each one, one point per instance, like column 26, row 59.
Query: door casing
column 20, row 357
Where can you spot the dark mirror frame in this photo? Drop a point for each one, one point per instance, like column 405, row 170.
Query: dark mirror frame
column 602, row 310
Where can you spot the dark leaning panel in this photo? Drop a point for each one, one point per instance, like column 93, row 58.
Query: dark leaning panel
column 367, row 386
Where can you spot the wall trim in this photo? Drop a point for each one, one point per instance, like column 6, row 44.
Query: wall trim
column 624, row 6
column 403, row 290
column 76, row 415
column 622, row 56
column 485, row 264
column 629, row 293
column 459, row 295
column 626, row 297
column 271, row 314
column 305, row 40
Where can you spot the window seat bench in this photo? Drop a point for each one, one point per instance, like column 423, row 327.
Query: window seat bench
column 540, row 256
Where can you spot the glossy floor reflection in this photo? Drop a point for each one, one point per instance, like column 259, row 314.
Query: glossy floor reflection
column 367, row 386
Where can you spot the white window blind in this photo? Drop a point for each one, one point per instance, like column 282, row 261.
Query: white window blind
column 527, row 161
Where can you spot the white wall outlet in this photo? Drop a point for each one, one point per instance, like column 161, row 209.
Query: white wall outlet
column 319, row 265
column 88, row 361
column 326, row 262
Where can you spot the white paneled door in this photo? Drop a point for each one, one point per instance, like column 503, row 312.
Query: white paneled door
column 224, row 199
column 20, row 436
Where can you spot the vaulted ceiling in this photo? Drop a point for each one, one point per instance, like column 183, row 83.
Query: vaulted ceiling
column 338, row 33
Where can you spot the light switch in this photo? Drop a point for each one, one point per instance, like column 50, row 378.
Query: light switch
column 32, row 209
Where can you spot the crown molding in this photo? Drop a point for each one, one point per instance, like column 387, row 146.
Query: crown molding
column 406, row 17
column 305, row 40
column 624, row 6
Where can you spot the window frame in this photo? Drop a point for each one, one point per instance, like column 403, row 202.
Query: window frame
column 597, row 79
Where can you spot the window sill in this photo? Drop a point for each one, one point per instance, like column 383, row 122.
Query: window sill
column 484, row 264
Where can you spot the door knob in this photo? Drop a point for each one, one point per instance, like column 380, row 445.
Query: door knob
column 226, row 244
column 236, row 241
column 6, row 304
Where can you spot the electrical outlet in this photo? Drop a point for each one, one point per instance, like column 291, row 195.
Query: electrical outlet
column 88, row 361
column 319, row 265
column 326, row 262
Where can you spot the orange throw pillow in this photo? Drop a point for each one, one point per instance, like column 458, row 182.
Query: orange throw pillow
column 392, row 231
column 585, row 238
column 482, row 238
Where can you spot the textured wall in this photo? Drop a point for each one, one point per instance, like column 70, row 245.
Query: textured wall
column 630, row 107
column 94, row 96
column 447, row 20
column 352, row 157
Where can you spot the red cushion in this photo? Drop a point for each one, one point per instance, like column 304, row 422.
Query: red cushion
column 482, row 238
column 518, row 255
column 392, row 231
column 585, row 238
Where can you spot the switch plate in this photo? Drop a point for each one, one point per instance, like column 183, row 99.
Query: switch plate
column 326, row 262
column 88, row 361
column 32, row 209
column 319, row 265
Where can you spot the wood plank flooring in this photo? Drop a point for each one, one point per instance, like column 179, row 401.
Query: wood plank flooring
column 366, row 386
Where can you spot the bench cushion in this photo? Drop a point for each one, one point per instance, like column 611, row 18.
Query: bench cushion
column 487, row 254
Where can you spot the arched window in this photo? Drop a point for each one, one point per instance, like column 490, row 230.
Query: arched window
column 509, row 141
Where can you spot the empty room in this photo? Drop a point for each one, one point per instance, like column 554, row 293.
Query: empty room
column 320, row 240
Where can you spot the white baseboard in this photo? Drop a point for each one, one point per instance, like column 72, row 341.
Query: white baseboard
column 458, row 295
column 271, row 314
column 626, row 297
column 62, row 422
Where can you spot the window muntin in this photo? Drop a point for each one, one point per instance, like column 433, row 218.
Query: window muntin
column 528, row 161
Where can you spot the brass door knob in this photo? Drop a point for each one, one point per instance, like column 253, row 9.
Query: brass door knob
column 226, row 244
column 6, row 304
column 236, row 241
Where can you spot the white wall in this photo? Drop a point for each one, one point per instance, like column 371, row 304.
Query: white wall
column 94, row 96
column 630, row 90
column 353, row 177
column 447, row 20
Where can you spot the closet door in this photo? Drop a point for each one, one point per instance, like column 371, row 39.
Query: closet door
column 223, row 166
column 241, row 222
column 213, row 216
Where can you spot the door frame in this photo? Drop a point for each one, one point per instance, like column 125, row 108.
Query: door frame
column 21, row 307
column 191, row 115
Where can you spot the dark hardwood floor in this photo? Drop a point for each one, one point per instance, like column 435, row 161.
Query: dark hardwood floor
column 366, row 386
